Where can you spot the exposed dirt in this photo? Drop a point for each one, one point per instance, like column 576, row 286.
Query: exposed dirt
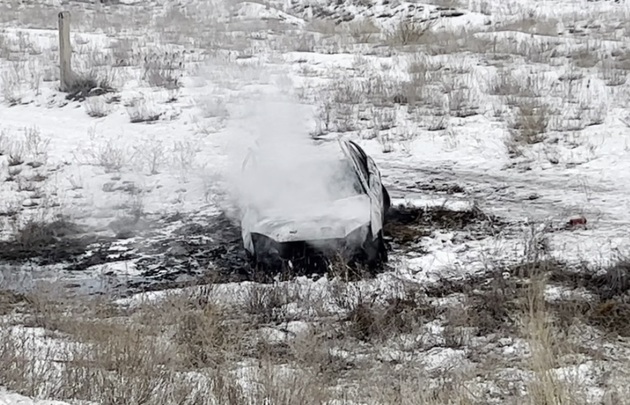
column 180, row 250
column 197, row 246
column 407, row 225
column 59, row 241
column 439, row 188
column 185, row 249
column 209, row 248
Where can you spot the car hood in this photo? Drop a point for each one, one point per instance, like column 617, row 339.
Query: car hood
column 330, row 220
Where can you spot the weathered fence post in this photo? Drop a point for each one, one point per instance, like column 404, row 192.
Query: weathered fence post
column 65, row 52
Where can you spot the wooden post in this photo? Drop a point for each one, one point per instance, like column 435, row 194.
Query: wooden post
column 65, row 52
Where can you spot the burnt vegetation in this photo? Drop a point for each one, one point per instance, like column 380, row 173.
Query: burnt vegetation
column 407, row 225
column 46, row 242
column 199, row 249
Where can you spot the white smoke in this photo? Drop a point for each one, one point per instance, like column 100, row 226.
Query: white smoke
column 288, row 172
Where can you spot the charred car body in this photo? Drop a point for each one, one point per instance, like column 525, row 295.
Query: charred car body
column 347, row 220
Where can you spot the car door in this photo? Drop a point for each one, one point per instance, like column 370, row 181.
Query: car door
column 370, row 179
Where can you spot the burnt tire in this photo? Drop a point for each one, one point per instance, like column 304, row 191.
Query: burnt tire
column 375, row 251
column 387, row 203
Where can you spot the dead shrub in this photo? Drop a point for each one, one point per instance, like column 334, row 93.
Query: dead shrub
column 164, row 70
column 35, row 234
column 368, row 320
column 313, row 350
column 202, row 334
column 528, row 125
column 612, row 75
column 608, row 316
column 545, row 346
column 363, row 31
column 383, row 119
column 611, row 316
column 15, row 158
column 96, row 107
column 462, row 102
column 610, row 282
column 89, row 84
column 495, row 308
column 297, row 387
column 453, row 41
column 113, row 356
column 539, row 25
column 9, row 300
column 266, row 303
column 143, row 111
column 616, row 280
column 610, row 286
column 585, row 57
column 491, row 302
column 122, row 52
column 306, row 42
column 508, row 84
column 110, row 156
column 458, row 325
column 123, row 364
column 408, row 31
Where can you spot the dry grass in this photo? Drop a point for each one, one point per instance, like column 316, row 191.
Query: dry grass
column 123, row 54
column 88, row 84
column 144, row 355
column 462, row 97
column 21, row 80
column 612, row 74
column 368, row 320
column 528, row 125
column 587, row 56
column 278, row 345
column 143, row 110
column 364, row 31
column 185, row 348
column 97, row 107
column 546, row 387
column 110, row 156
column 507, row 83
column 408, row 32
column 164, row 70
column 531, row 24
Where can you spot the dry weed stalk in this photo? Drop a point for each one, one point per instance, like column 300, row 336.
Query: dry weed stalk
column 546, row 386
column 409, row 31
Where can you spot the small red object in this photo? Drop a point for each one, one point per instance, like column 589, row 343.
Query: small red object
column 577, row 221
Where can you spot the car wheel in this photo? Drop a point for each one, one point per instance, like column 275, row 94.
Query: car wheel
column 382, row 248
column 376, row 251
column 387, row 202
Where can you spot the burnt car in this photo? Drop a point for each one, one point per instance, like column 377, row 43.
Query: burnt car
column 346, row 219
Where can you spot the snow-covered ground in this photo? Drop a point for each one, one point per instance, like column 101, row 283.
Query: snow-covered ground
column 515, row 112
column 7, row 398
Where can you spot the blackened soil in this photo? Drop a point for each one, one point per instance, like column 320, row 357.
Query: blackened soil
column 184, row 249
column 211, row 250
column 439, row 188
column 205, row 247
column 406, row 225
column 59, row 241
